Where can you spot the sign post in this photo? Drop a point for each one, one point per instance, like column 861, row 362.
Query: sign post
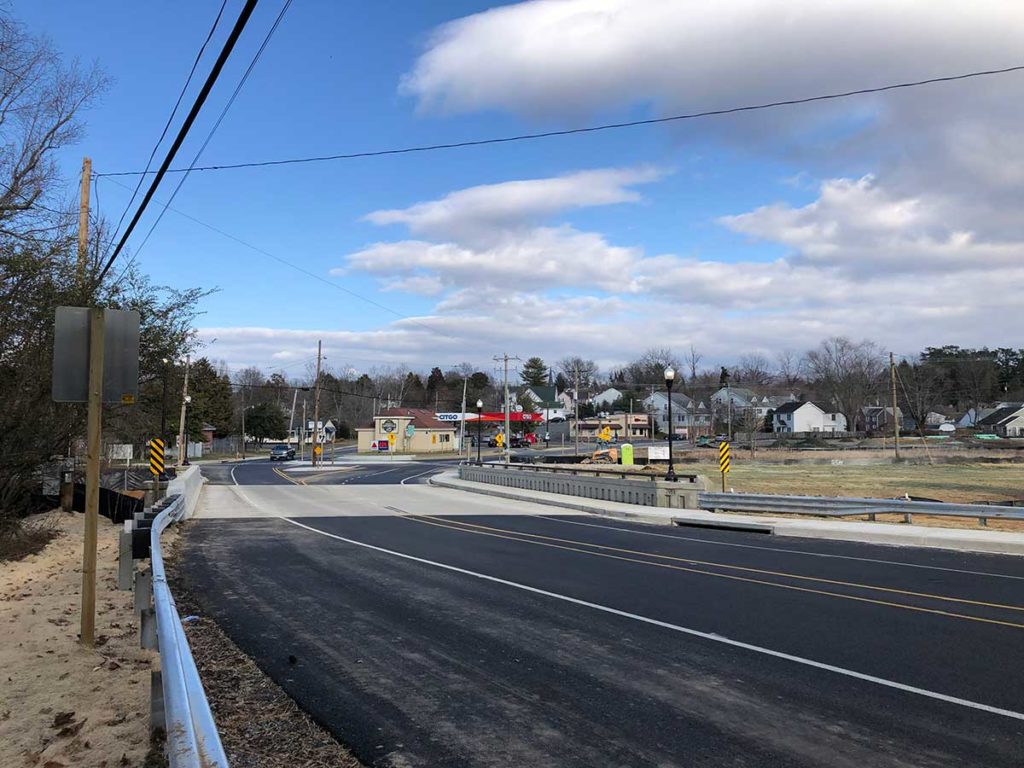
column 95, row 361
column 724, row 462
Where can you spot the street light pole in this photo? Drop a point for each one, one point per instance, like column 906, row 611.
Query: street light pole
column 479, row 428
column 182, row 436
column 163, row 411
column 670, row 376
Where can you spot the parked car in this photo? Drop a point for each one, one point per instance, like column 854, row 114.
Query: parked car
column 556, row 418
column 282, row 452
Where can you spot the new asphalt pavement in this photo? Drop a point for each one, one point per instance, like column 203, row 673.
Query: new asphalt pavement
column 426, row 626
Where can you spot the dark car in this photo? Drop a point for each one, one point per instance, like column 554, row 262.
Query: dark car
column 282, row 452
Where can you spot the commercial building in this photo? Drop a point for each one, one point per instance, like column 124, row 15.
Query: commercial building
column 407, row 430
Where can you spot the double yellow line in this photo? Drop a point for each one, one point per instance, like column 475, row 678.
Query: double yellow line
column 654, row 560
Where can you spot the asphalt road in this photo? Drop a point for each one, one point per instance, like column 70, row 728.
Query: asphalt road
column 431, row 627
column 266, row 472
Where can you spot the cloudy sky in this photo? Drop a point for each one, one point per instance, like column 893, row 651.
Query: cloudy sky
column 894, row 217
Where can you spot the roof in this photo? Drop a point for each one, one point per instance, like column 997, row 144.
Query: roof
column 544, row 393
column 422, row 418
column 999, row 415
column 793, row 406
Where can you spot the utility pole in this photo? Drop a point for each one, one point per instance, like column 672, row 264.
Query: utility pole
column 895, row 420
column 728, row 397
column 316, row 406
column 302, row 438
column 576, row 407
column 291, row 417
column 83, row 222
column 182, row 437
column 508, row 442
column 462, row 438
column 242, row 390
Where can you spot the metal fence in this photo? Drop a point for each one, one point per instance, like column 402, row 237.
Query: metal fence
column 192, row 738
column 824, row 506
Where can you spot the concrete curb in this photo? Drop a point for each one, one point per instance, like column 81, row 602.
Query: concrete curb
column 888, row 534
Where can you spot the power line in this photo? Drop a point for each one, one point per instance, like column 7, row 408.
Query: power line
column 213, row 130
column 218, row 65
column 592, row 128
column 170, row 118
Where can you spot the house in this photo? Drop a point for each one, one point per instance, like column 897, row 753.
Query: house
column 407, row 430
column 606, row 398
column 878, row 418
column 625, row 426
column 795, row 417
column 542, row 395
column 689, row 417
column 972, row 417
column 325, row 429
column 1007, row 421
column 208, row 434
column 740, row 397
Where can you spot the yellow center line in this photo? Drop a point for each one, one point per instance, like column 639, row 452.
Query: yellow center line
column 747, row 569
column 793, row 587
column 287, row 477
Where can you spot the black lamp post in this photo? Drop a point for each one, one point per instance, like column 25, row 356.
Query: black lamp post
column 670, row 376
column 479, row 427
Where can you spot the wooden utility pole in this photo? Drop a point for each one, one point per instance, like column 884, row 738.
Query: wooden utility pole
column 182, row 436
column 83, row 221
column 92, row 476
column 576, row 408
column 316, row 407
column 895, row 418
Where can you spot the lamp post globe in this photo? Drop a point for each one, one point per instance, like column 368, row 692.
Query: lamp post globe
column 670, row 377
column 479, row 427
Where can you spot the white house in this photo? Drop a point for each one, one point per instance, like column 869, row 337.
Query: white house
column 689, row 416
column 1005, row 422
column 607, row 397
column 794, row 417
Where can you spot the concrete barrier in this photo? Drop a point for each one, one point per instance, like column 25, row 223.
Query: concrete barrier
column 682, row 494
column 187, row 484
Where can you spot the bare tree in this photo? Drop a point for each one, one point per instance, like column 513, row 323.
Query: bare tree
column 754, row 369
column 693, row 358
column 848, row 373
column 788, row 367
column 588, row 370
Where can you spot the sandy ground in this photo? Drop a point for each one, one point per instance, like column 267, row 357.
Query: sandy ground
column 60, row 704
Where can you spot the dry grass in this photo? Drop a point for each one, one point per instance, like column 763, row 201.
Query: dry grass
column 964, row 483
column 21, row 538
column 259, row 724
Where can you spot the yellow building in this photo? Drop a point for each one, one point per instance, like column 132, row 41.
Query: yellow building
column 407, row 430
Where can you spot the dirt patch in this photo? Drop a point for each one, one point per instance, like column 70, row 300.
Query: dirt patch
column 61, row 704
column 259, row 724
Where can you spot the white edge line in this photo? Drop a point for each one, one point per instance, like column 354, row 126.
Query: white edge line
column 421, row 474
column 683, row 630
column 233, row 479
column 791, row 551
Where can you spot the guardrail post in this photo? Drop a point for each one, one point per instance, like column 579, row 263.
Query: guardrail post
column 908, row 517
column 147, row 630
column 983, row 521
column 143, row 590
column 125, row 563
column 157, row 714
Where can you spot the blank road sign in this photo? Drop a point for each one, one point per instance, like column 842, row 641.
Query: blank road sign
column 71, row 355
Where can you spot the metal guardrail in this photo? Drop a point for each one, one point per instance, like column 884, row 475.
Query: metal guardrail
column 590, row 470
column 192, row 738
column 825, row 506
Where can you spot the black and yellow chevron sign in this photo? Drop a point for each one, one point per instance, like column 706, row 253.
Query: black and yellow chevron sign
column 156, row 456
column 724, row 459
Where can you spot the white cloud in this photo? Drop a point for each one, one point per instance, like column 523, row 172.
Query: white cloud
column 539, row 258
column 474, row 214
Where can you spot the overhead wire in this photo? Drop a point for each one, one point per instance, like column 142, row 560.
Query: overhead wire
column 170, row 118
column 593, row 128
column 213, row 130
column 303, row 270
column 197, row 105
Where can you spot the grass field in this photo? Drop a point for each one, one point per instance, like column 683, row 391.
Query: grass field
column 944, row 482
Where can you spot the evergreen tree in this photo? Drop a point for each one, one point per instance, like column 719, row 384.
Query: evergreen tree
column 534, row 373
column 435, row 381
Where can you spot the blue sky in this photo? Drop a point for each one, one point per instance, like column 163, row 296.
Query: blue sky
column 779, row 276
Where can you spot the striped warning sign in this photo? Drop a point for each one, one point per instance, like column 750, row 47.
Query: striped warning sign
column 724, row 459
column 156, row 456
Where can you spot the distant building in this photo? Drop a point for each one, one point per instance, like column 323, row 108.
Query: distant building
column 415, row 430
column 606, row 398
column 625, row 426
column 1007, row 421
column 690, row 418
column 878, row 418
column 799, row 417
